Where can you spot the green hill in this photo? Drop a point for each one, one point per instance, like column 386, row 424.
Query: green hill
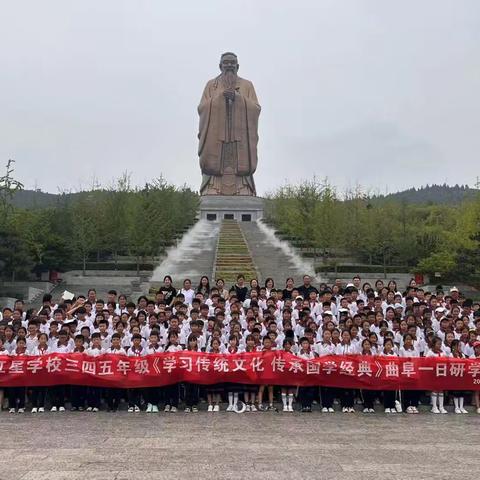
column 432, row 194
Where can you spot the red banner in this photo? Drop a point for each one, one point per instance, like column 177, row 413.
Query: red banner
column 268, row 368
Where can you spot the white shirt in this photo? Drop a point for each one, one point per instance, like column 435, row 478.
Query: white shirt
column 349, row 349
column 323, row 349
column 188, row 294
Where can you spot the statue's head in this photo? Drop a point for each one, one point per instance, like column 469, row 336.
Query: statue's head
column 228, row 62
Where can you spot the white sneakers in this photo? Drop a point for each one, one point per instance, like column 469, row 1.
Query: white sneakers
column 216, row 408
column 34, row 410
column 390, row 410
column 41, row 409
column 230, row 408
column 53, row 409
column 411, row 410
column 435, row 409
column 167, row 408
column 348, row 410
column 210, row 408
column 153, row 408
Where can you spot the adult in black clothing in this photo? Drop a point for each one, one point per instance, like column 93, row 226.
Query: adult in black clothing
column 307, row 287
column 287, row 291
column 168, row 290
column 240, row 289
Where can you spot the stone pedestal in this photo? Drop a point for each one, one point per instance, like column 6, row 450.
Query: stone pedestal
column 243, row 208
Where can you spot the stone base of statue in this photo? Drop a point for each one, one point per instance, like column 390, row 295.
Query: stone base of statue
column 244, row 208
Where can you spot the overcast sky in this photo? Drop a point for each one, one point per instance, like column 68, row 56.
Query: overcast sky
column 380, row 92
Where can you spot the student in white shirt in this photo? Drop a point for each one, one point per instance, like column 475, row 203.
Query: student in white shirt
column 39, row 393
column 389, row 395
column 458, row 395
column 135, row 394
column 367, row 395
column 345, row 347
column 187, row 291
column 409, row 350
column 114, row 395
column 323, row 348
column 306, row 394
column 16, row 395
column 93, row 395
column 172, row 392
column 437, row 396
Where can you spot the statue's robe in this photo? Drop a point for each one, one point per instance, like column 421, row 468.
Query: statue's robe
column 213, row 131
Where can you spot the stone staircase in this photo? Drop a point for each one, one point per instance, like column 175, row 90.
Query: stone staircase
column 233, row 255
column 274, row 257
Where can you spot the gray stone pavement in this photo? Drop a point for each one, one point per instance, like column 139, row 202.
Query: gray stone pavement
column 265, row 445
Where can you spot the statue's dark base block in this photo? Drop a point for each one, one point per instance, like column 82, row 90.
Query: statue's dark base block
column 243, row 208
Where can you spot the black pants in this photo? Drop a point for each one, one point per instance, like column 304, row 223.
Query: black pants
column 16, row 394
column 191, row 394
column 306, row 395
column 93, row 397
column 172, row 394
column 389, row 399
column 368, row 398
column 327, row 394
column 113, row 398
column 152, row 395
column 347, row 397
column 411, row 398
column 78, row 395
column 58, row 396
column 38, row 397
column 134, row 397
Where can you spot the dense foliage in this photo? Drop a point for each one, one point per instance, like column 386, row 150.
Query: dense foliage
column 428, row 238
column 101, row 224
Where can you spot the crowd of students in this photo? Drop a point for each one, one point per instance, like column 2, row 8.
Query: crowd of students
column 357, row 318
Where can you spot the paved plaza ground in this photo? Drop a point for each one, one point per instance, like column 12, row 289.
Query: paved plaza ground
column 265, row 445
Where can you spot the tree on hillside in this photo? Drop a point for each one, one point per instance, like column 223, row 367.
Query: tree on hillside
column 84, row 239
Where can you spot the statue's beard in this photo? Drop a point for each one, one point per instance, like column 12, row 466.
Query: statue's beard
column 229, row 79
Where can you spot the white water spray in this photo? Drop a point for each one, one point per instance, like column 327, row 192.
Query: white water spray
column 195, row 244
column 302, row 264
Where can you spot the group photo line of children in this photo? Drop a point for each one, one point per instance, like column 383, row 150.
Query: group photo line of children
column 309, row 322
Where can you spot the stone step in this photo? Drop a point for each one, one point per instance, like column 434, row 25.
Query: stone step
column 232, row 255
column 272, row 256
